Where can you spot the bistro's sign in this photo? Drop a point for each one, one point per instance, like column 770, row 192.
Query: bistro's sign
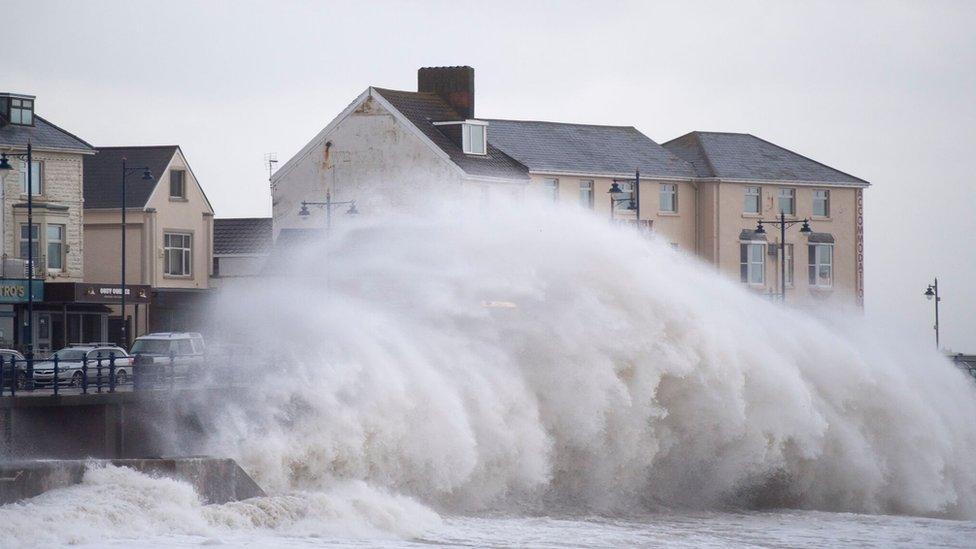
column 14, row 290
column 76, row 292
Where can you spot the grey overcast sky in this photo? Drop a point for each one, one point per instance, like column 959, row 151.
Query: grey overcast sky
column 883, row 90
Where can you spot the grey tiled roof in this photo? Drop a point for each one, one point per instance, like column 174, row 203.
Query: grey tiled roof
column 745, row 156
column 242, row 235
column 43, row 135
column 103, row 175
column 581, row 148
column 421, row 109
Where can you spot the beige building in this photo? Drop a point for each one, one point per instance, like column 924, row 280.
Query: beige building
column 704, row 192
column 169, row 234
column 58, row 247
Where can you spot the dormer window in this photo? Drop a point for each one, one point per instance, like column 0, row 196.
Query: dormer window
column 17, row 109
column 473, row 134
column 21, row 111
column 474, row 138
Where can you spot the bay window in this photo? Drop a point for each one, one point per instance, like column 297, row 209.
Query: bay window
column 55, row 247
column 31, row 238
column 752, row 260
column 821, row 265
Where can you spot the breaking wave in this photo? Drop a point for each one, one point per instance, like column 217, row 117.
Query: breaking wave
column 538, row 358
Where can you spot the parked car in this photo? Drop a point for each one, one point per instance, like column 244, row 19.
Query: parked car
column 185, row 350
column 71, row 361
column 20, row 366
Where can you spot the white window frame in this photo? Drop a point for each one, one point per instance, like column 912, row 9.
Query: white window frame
column 22, row 242
column 587, row 193
column 816, row 261
column 668, row 190
column 551, row 185
column 825, row 199
column 36, row 173
column 185, row 252
column 466, row 128
column 747, row 263
column 26, row 106
column 786, row 193
column 747, row 195
column 62, row 243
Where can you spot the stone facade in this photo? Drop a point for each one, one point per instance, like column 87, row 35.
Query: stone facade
column 60, row 203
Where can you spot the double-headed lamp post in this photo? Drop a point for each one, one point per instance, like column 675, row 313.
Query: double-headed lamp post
column 146, row 176
column 328, row 205
column 783, row 224
column 5, row 165
column 933, row 292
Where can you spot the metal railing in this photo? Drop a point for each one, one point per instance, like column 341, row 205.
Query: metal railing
column 55, row 376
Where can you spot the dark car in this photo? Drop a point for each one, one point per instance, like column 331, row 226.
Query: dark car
column 19, row 366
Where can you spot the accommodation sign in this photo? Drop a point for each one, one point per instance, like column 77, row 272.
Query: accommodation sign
column 14, row 290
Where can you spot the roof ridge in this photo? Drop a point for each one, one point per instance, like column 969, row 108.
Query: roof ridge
column 559, row 123
column 116, row 147
column 60, row 129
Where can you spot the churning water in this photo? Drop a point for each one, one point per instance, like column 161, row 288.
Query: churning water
column 535, row 376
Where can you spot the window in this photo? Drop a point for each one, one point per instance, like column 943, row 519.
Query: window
column 24, row 240
column 821, row 265
column 21, row 111
column 177, row 249
column 177, row 184
column 787, row 201
column 55, row 247
column 551, row 189
column 821, row 202
column 788, row 254
column 586, row 193
column 752, row 263
column 668, row 198
column 473, row 138
column 753, row 200
column 35, row 187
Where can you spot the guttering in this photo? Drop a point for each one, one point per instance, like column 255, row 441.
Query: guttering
column 37, row 148
column 619, row 175
column 800, row 182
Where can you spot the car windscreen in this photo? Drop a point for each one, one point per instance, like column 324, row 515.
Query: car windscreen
column 151, row 347
column 70, row 354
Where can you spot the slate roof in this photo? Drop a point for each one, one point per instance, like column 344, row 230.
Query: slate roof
column 745, row 156
column 422, row 109
column 242, row 235
column 103, row 175
column 43, row 135
column 582, row 148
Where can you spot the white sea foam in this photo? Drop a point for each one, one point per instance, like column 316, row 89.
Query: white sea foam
column 628, row 377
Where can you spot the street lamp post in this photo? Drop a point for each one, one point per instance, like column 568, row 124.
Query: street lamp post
column 5, row 165
column 930, row 292
column 328, row 205
column 783, row 224
column 146, row 176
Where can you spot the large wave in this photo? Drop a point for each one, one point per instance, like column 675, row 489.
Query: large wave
column 537, row 357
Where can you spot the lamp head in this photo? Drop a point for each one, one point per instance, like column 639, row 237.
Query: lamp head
column 929, row 293
column 4, row 163
column 615, row 190
column 147, row 175
column 304, row 210
column 352, row 209
column 805, row 228
column 760, row 229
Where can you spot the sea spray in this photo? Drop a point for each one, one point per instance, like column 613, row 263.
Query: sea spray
column 619, row 375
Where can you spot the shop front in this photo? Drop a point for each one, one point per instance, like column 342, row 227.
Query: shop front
column 13, row 310
column 75, row 312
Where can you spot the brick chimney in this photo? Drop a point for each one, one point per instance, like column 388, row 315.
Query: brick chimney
column 454, row 84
